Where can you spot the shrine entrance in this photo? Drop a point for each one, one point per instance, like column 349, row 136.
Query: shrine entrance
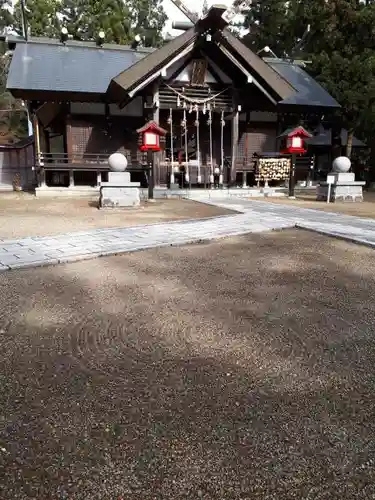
column 196, row 147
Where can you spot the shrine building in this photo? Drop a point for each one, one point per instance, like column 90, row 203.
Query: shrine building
column 223, row 108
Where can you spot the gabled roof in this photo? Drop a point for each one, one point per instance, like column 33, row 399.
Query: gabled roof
column 309, row 91
column 130, row 76
column 48, row 65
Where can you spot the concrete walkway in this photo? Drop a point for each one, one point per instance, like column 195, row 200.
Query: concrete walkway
column 255, row 216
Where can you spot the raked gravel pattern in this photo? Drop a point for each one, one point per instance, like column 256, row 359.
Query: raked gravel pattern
column 253, row 217
column 235, row 370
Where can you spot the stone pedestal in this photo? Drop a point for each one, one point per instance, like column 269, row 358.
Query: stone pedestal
column 344, row 188
column 119, row 191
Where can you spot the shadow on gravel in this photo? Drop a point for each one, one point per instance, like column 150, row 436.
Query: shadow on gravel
column 238, row 369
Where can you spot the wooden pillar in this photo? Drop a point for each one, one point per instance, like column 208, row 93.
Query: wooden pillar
column 37, row 140
column 69, row 139
column 292, row 176
column 47, row 141
column 156, row 119
column 235, row 137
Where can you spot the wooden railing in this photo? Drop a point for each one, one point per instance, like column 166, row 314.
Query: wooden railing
column 83, row 161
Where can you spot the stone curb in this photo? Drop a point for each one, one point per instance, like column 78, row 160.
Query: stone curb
column 357, row 241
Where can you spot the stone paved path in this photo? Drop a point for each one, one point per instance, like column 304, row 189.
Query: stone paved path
column 356, row 229
column 256, row 216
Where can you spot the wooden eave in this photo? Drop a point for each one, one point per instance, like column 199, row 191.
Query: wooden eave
column 124, row 82
column 269, row 77
column 54, row 96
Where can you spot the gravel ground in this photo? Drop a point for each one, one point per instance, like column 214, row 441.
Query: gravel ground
column 239, row 369
column 365, row 209
column 23, row 215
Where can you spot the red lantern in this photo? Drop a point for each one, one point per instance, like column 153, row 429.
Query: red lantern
column 293, row 140
column 149, row 136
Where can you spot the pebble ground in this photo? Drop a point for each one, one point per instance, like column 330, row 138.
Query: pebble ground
column 240, row 369
column 24, row 215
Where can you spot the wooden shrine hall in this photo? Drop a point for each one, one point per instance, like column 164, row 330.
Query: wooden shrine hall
column 221, row 104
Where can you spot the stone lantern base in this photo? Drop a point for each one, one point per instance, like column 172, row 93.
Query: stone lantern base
column 119, row 191
column 344, row 188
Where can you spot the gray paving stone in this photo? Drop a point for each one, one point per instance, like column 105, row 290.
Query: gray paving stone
column 54, row 254
column 6, row 259
column 11, row 248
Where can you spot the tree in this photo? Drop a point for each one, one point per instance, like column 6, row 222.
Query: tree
column 340, row 45
column 41, row 18
column 13, row 118
column 85, row 19
column 269, row 24
column 342, row 51
column 205, row 8
column 6, row 17
column 148, row 19
column 119, row 19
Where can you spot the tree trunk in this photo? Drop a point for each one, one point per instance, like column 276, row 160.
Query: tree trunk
column 349, row 144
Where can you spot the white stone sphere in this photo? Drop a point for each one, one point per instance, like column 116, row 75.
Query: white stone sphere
column 341, row 165
column 117, row 162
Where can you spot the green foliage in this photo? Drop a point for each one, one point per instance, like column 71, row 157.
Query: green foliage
column 41, row 18
column 148, row 18
column 84, row 19
column 120, row 20
column 5, row 14
column 13, row 118
column 340, row 45
column 268, row 22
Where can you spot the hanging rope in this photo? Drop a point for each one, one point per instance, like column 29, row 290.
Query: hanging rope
column 211, row 159
column 222, row 124
column 199, row 180
column 170, row 121
column 192, row 99
column 187, row 176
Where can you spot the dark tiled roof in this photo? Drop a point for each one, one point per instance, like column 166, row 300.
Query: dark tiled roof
column 75, row 67
column 47, row 65
column 309, row 91
column 324, row 138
